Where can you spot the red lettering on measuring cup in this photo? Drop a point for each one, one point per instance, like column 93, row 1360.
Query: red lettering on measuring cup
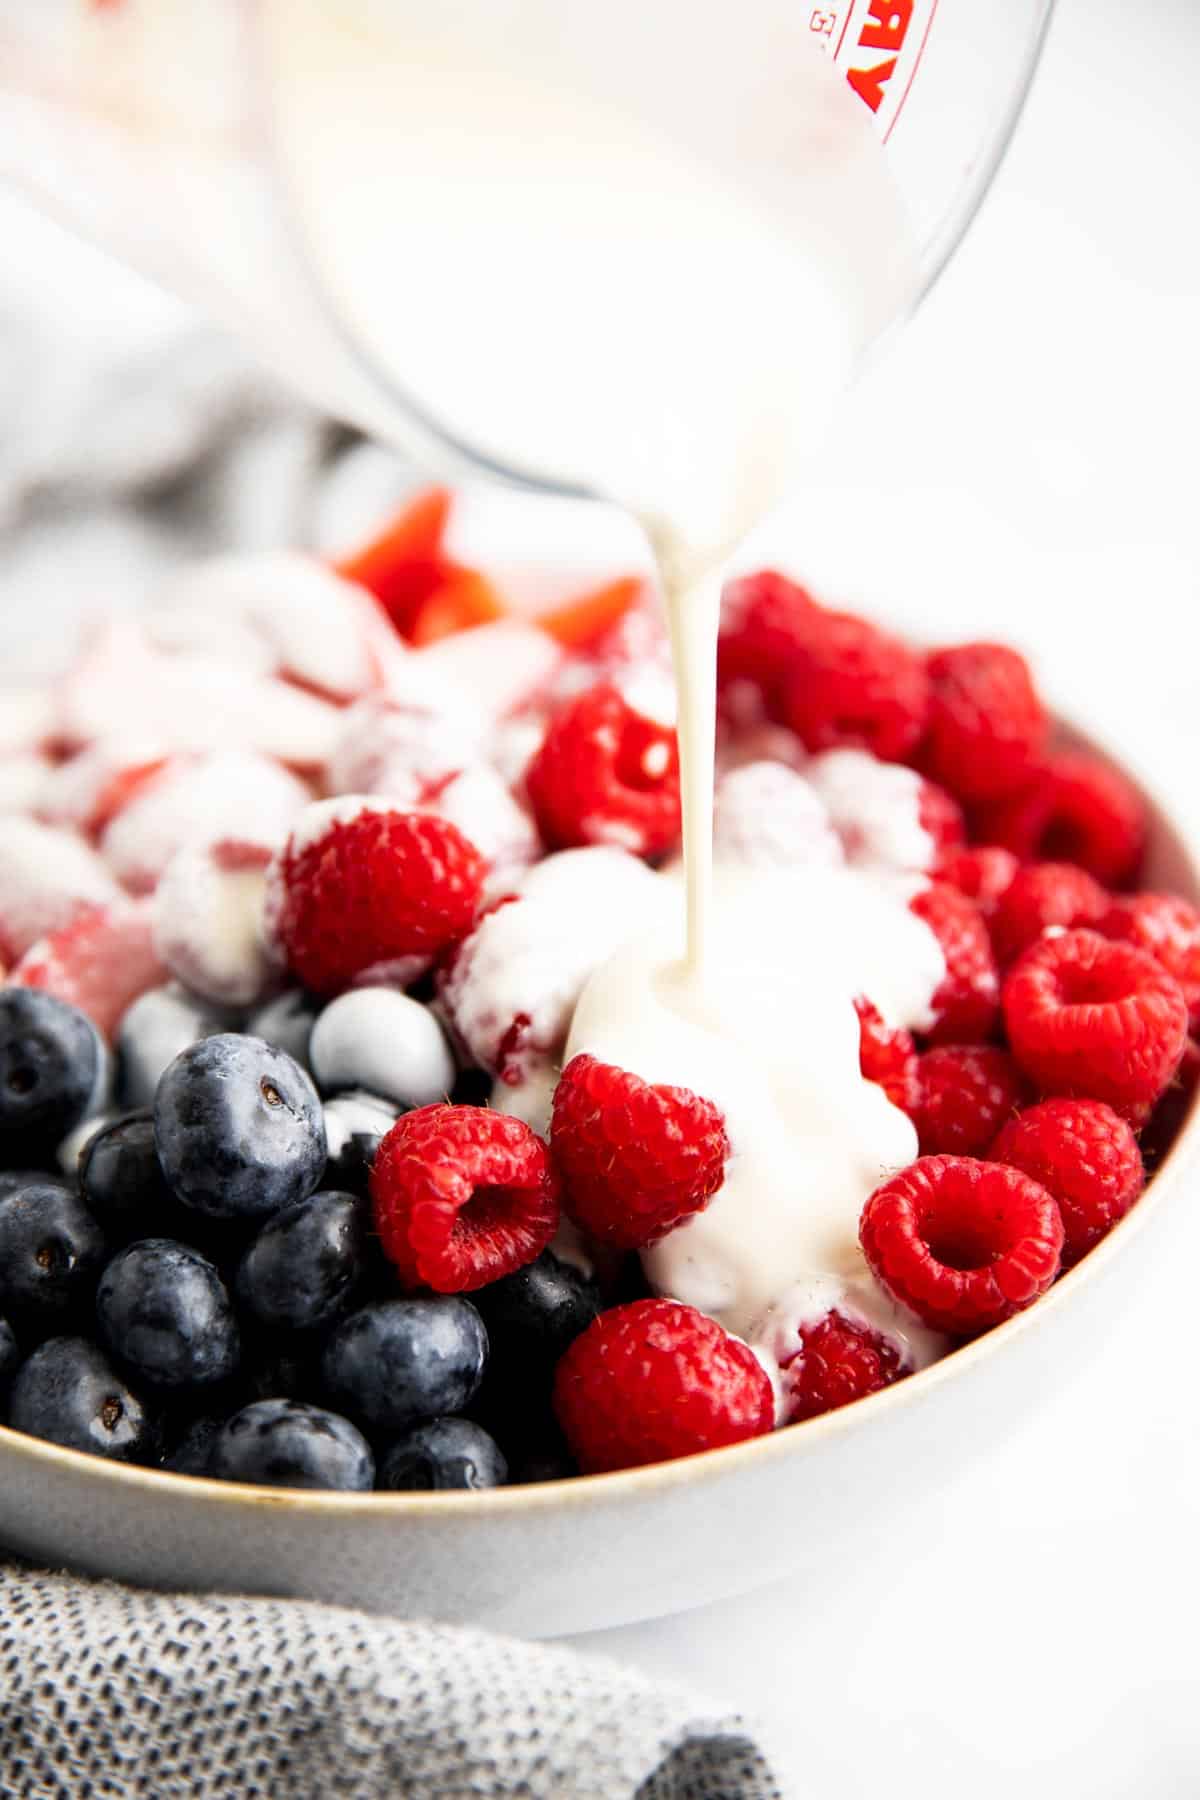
column 869, row 84
column 878, row 46
column 887, row 25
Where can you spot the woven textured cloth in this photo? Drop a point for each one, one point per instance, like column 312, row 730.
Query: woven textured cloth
column 108, row 1693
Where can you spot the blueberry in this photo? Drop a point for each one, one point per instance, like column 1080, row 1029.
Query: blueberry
column 356, row 1123
column 122, row 1182
column 10, row 1356
column 239, row 1128
column 164, row 1313
column 534, row 1316
column 287, row 1443
column 400, row 1361
column 51, row 1254
column 306, row 1264
column 287, row 1023
column 190, row 1452
column 68, row 1393
column 153, row 1031
column 445, row 1453
column 52, row 1068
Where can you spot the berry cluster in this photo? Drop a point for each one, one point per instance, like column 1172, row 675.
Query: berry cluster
column 269, row 962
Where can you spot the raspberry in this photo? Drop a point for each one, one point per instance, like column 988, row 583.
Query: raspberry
column 765, row 620
column 1169, row 929
column 1078, row 810
column 358, row 885
column 852, row 684
column 462, row 1196
column 965, row 1005
column 100, row 962
column 966, row 1092
column 654, row 1380
column 837, row 1362
column 963, row 1244
column 635, row 1159
column 1041, row 895
column 983, row 874
column 986, row 724
column 1083, row 1154
column 1096, row 1020
column 941, row 817
column 605, row 774
column 887, row 1056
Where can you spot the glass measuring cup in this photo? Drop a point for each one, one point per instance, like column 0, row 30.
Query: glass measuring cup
column 152, row 126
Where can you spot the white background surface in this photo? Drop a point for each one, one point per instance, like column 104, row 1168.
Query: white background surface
column 1026, row 464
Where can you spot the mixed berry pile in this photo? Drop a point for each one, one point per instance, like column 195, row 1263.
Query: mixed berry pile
column 288, row 943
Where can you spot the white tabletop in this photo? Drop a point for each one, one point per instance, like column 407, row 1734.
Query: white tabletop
column 1026, row 464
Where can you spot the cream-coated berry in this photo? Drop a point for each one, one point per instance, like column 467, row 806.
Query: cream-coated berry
column 381, row 1040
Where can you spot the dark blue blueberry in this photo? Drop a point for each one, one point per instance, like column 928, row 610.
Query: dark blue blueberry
column 393, row 1364
column 68, row 1393
column 534, row 1315
column 445, row 1453
column 287, row 1443
column 239, row 1128
column 51, row 1254
column 355, row 1125
column 10, row 1356
column 125, row 1188
column 52, row 1067
column 164, row 1313
column 305, row 1266
column 190, row 1451
column 123, row 1184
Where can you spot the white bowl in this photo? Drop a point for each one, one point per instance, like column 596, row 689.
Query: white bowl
column 578, row 1555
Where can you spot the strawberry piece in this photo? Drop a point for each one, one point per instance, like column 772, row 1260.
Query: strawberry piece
column 100, row 962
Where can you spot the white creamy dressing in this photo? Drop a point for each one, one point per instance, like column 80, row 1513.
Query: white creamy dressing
column 641, row 254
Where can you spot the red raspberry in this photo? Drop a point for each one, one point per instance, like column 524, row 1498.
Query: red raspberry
column 1097, row 1020
column 963, row 1244
column 654, row 1380
column 887, row 1055
column 967, row 1091
column 1041, row 895
column 1078, row 810
column 462, row 1195
column 851, row 684
column 605, row 774
column 100, row 961
column 370, row 889
column 982, row 874
column 986, row 724
column 635, row 1159
column 837, row 1362
column 966, row 1004
column 1082, row 1154
column 1166, row 927
column 765, row 620
column 942, row 817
